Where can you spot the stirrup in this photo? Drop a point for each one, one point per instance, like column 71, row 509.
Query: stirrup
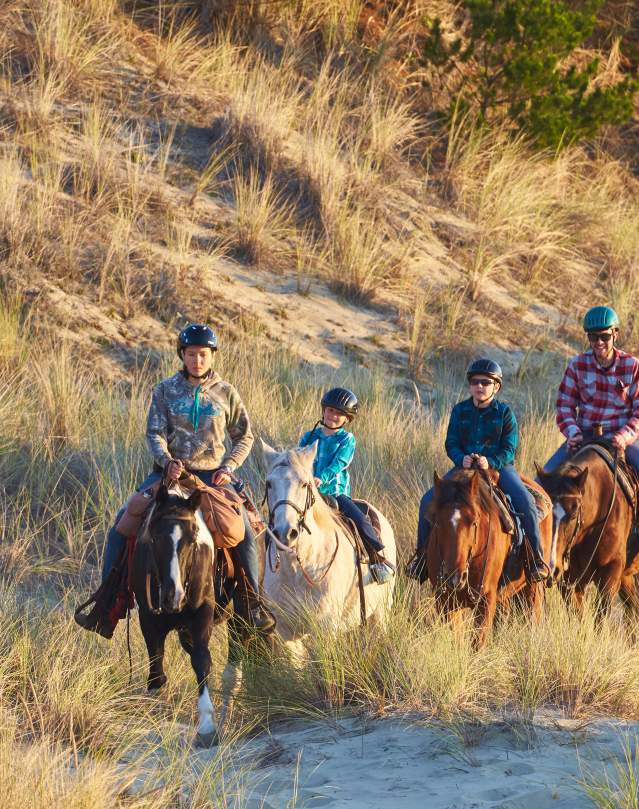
column 381, row 572
column 416, row 568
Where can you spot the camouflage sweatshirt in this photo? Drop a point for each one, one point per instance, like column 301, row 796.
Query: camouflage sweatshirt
column 187, row 422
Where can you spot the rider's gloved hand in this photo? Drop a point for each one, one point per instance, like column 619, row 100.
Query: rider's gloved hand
column 468, row 461
column 481, row 462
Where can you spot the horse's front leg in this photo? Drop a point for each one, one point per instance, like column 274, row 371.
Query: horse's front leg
column 201, row 661
column 154, row 636
column 484, row 617
column 630, row 598
column 608, row 582
column 534, row 595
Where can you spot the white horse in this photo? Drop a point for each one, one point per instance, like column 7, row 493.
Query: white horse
column 311, row 568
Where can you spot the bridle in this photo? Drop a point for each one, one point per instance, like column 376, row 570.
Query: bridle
column 301, row 512
column 473, row 594
column 578, row 518
column 151, row 541
column 301, row 524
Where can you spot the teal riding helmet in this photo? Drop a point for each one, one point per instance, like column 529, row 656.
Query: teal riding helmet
column 600, row 317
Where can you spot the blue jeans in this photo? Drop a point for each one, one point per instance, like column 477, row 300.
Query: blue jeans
column 364, row 526
column 246, row 550
column 562, row 455
column 511, row 484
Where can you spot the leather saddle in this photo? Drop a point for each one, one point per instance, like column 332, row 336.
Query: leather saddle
column 507, row 515
column 350, row 526
column 626, row 475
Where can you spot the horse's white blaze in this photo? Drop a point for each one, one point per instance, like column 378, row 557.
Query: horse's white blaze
column 206, row 713
column 558, row 513
column 174, row 569
column 454, row 520
column 203, row 536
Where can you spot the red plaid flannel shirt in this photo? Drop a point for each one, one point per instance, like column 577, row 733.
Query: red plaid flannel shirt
column 590, row 394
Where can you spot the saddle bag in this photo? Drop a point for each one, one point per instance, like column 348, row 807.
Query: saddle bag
column 110, row 602
column 135, row 511
column 222, row 512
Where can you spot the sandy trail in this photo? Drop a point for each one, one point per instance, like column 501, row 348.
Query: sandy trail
column 410, row 763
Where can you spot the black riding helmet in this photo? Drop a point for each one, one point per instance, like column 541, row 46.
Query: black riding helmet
column 196, row 335
column 486, row 367
column 341, row 399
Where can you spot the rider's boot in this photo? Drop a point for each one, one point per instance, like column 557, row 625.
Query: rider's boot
column 416, row 568
column 536, row 568
column 251, row 606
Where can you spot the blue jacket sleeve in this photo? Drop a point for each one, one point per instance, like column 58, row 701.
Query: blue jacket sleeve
column 505, row 454
column 340, row 460
column 454, row 449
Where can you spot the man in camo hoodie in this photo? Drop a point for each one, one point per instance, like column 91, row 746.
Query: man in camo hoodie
column 189, row 417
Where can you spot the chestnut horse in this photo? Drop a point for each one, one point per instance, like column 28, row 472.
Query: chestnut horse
column 592, row 520
column 468, row 550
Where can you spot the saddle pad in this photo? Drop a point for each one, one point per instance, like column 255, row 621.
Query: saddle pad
column 543, row 504
column 542, row 500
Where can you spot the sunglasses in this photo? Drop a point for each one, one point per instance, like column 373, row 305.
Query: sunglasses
column 605, row 337
column 483, row 382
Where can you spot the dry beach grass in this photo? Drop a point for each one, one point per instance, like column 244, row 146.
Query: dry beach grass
column 71, row 449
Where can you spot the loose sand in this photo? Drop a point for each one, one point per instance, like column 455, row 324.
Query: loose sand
column 412, row 763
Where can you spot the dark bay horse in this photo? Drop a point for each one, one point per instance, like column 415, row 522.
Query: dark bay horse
column 173, row 582
column 468, row 550
column 592, row 520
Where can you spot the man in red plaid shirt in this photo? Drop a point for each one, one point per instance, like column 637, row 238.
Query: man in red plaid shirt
column 600, row 387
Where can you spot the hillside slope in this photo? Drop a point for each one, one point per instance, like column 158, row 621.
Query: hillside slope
column 280, row 175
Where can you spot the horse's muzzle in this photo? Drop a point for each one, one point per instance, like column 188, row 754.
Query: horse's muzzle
column 287, row 538
column 457, row 580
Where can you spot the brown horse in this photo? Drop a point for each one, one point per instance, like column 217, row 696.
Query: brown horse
column 592, row 519
column 468, row 550
column 172, row 579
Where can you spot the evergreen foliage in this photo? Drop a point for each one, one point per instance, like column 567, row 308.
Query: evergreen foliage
column 513, row 59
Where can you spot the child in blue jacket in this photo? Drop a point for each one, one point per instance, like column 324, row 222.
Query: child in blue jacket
column 483, row 434
column 335, row 450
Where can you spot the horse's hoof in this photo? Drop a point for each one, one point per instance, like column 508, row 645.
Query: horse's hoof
column 157, row 682
column 211, row 739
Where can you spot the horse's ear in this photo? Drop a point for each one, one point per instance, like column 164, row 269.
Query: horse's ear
column 308, row 454
column 269, row 453
column 195, row 500
column 437, row 481
column 580, row 480
column 541, row 474
column 161, row 495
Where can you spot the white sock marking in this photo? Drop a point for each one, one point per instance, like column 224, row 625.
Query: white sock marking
column 206, row 713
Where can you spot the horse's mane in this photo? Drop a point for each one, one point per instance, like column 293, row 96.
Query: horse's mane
column 455, row 490
column 324, row 515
